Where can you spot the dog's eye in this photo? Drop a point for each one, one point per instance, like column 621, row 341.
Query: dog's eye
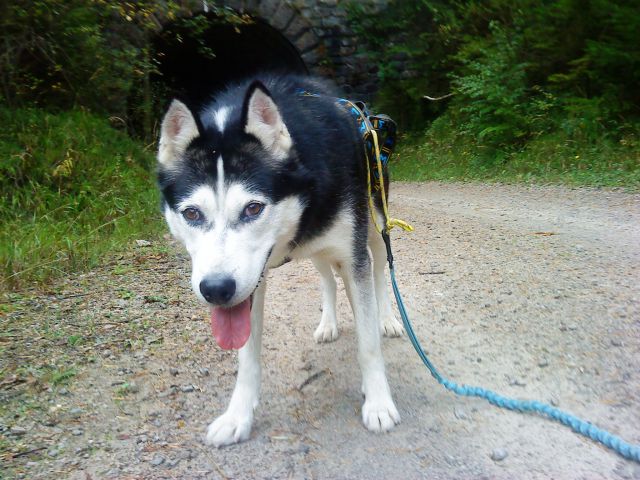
column 253, row 210
column 192, row 214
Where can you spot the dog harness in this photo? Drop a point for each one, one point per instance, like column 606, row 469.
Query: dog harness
column 379, row 139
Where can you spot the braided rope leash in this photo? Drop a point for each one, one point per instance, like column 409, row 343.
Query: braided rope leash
column 578, row 425
column 627, row 450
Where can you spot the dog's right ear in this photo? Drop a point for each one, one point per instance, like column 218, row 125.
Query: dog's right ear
column 179, row 128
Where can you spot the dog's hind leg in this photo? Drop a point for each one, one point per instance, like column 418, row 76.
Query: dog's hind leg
column 389, row 324
column 234, row 425
column 327, row 330
column 379, row 413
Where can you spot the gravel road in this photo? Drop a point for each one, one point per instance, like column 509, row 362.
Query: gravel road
column 531, row 291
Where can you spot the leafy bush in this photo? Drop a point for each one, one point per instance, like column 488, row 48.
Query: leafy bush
column 94, row 54
column 492, row 91
column 66, row 53
column 518, row 70
column 73, row 188
column 412, row 43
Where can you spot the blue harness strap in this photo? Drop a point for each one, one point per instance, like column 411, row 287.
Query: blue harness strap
column 384, row 126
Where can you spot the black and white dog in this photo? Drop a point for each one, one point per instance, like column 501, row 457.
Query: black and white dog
column 262, row 175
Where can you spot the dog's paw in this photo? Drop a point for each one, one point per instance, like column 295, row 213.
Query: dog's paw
column 380, row 415
column 326, row 332
column 391, row 327
column 228, row 429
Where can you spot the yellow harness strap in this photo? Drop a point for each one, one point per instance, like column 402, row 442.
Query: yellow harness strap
column 389, row 222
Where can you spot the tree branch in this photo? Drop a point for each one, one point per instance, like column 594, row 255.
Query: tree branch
column 435, row 99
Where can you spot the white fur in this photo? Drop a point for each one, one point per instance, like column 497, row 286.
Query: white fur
column 235, row 424
column 220, row 118
column 220, row 190
column 332, row 248
column 389, row 324
column 327, row 330
column 227, row 246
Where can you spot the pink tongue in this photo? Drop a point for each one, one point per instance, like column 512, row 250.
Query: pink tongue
column 231, row 327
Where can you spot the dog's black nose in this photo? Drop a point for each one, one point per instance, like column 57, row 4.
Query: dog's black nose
column 218, row 290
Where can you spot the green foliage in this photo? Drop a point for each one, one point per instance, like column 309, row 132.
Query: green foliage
column 94, row 54
column 65, row 53
column 492, row 91
column 410, row 42
column 519, row 70
column 443, row 155
column 73, row 188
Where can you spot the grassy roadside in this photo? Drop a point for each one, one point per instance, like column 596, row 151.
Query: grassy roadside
column 551, row 159
column 74, row 189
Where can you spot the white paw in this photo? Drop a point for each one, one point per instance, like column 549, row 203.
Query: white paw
column 390, row 326
column 229, row 428
column 380, row 415
column 326, row 332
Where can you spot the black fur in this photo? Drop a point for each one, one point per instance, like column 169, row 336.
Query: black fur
column 325, row 169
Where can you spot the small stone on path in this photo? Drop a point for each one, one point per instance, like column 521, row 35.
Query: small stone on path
column 499, row 454
column 75, row 412
column 460, row 413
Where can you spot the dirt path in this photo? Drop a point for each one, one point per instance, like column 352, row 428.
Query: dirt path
column 533, row 292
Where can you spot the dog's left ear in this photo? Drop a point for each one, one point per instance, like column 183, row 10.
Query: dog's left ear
column 262, row 119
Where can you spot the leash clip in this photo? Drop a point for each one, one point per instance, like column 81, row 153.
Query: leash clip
column 387, row 244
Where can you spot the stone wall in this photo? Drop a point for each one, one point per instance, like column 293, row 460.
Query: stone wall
column 320, row 32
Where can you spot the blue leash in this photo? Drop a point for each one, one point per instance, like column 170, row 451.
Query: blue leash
column 582, row 427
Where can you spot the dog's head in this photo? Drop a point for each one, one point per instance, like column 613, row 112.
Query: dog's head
column 226, row 184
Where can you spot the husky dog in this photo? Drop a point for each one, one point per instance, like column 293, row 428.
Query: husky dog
column 262, row 175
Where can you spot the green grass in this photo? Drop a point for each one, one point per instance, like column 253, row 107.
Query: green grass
column 550, row 159
column 74, row 189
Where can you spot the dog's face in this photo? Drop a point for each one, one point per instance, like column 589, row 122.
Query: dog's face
column 226, row 198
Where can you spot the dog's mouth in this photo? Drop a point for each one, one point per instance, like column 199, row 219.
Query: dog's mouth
column 231, row 327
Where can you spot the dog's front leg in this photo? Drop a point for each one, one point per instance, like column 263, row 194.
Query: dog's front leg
column 379, row 413
column 235, row 424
